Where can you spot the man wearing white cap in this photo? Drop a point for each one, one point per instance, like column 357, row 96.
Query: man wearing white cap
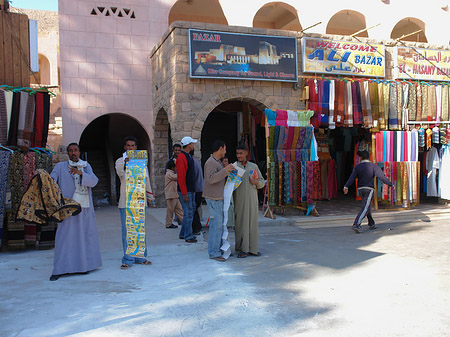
column 186, row 188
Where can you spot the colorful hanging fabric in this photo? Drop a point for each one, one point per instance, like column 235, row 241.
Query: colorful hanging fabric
column 325, row 102
column 294, row 143
column 393, row 115
column 443, row 135
column 428, row 136
column 331, row 120
column 281, row 118
column 421, row 134
column 386, row 103
column 448, row 136
column 16, row 233
column 304, row 182
column 425, row 102
column 398, row 188
column 314, row 101
column 431, row 116
column 292, row 120
column 418, row 102
column 444, row 102
column 317, row 183
column 309, row 181
column 270, row 116
column 374, row 103
column 356, row 100
column 399, row 93
column 405, row 101
column 412, row 102
column 438, row 97
column 286, row 184
column 299, row 181
column 4, row 168
column 272, row 182
column 292, row 174
column 435, row 135
column 280, row 184
column 348, row 107
column 381, row 116
column 304, row 117
column 332, row 179
column 280, row 152
column 339, row 103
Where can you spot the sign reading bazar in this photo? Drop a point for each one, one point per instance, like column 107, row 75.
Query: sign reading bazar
column 342, row 58
column 215, row 54
column 422, row 64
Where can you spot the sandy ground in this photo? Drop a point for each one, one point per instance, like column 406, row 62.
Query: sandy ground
column 313, row 279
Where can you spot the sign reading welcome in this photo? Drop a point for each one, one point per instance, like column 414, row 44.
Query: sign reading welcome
column 342, row 58
column 422, row 64
column 242, row 56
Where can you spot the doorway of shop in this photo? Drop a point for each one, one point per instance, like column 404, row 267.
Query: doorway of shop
column 237, row 121
column 101, row 143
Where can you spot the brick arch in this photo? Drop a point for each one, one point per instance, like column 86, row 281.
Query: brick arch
column 255, row 97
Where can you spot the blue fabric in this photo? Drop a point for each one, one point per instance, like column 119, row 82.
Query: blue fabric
column 127, row 259
column 188, row 215
column 215, row 208
column 271, row 116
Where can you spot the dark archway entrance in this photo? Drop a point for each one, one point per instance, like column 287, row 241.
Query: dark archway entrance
column 102, row 143
column 236, row 122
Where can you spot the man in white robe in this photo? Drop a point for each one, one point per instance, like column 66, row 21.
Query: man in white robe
column 76, row 242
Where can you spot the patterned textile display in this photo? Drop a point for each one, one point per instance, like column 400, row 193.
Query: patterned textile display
column 317, row 181
column 4, row 167
column 43, row 201
column 309, row 181
column 272, row 181
column 15, row 229
column 135, row 202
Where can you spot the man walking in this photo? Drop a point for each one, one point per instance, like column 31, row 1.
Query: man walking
column 214, row 182
column 76, row 242
column 186, row 188
column 365, row 172
column 130, row 143
column 246, row 206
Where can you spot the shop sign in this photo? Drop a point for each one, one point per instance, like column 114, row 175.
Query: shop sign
column 215, row 54
column 342, row 58
column 422, row 64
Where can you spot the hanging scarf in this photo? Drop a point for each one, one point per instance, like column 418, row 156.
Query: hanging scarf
column 81, row 193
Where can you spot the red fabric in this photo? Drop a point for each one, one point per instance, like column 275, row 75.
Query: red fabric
column 182, row 166
column 38, row 121
column 317, row 181
column 314, row 102
column 379, row 147
column 332, row 179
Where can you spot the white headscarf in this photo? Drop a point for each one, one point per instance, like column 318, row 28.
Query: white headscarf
column 81, row 193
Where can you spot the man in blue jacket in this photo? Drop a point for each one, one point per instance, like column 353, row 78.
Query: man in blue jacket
column 365, row 172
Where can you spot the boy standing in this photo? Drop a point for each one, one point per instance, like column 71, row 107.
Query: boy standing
column 172, row 198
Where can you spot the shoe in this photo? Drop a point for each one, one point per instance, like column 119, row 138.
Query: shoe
column 54, row 277
column 357, row 229
column 242, row 255
column 219, row 258
column 181, row 237
column 372, row 227
column 125, row 266
column 253, row 254
column 172, row 226
column 193, row 240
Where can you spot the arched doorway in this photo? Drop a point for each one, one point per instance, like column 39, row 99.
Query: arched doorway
column 277, row 15
column 208, row 11
column 43, row 76
column 236, row 121
column 161, row 152
column 347, row 22
column 408, row 26
column 101, row 143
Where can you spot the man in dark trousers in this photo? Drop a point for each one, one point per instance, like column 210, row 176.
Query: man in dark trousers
column 365, row 172
column 186, row 188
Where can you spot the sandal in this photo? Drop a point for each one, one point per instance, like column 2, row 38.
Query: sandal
column 253, row 254
column 241, row 255
column 146, row 262
column 124, row 266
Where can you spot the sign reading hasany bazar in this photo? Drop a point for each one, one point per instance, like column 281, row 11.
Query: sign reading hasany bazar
column 215, row 54
column 422, row 64
column 342, row 58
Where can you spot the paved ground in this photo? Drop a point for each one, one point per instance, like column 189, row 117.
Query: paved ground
column 315, row 278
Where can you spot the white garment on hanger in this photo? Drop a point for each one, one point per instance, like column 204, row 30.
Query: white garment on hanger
column 432, row 164
column 292, row 118
column 331, row 123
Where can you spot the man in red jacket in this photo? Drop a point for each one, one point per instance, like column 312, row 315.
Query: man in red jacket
column 186, row 188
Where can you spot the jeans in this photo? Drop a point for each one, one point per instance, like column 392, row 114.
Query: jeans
column 215, row 208
column 127, row 259
column 188, row 215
